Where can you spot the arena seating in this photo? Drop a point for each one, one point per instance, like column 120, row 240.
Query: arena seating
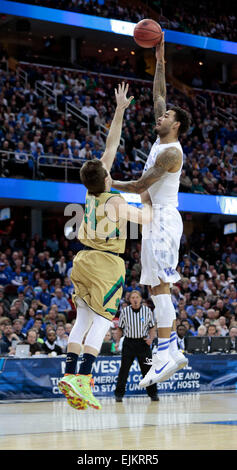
column 33, row 270
column 53, row 119
column 194, row 18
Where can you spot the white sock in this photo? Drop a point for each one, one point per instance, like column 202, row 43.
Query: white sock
column 163, row 349
column 173, row 348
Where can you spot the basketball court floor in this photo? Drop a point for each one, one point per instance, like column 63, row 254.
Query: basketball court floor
column 204, row 421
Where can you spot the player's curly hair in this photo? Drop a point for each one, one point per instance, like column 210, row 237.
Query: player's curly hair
column 92, row 175
column 183, row 117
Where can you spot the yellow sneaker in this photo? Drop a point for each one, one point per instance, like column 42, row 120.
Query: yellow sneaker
column 83, row 390
column 73, row 400
column 80, row 385
column 77, row 403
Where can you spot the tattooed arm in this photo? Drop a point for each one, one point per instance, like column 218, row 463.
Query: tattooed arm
column 145, row 198
column 117, row 208
column 169, row 160
column 159, row 85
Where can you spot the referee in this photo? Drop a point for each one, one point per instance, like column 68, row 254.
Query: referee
column 137, row 324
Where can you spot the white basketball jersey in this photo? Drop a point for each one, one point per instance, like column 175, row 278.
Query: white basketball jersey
column 164, row 191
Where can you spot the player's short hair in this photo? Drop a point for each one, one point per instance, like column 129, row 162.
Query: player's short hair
column 93, row 175
column 183, row 117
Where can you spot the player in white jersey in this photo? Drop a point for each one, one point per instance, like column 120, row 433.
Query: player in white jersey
column 161, row 238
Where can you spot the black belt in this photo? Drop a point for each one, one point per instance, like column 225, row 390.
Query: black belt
column 134, row 339
column 102, row 251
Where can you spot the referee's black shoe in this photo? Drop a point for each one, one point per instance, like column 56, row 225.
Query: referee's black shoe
column 118, row 399
column 155, row 398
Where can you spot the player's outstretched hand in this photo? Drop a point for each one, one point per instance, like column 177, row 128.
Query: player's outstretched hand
column 121, row 96
column 160, row 48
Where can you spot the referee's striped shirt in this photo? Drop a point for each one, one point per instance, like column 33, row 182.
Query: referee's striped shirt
column 136, row 324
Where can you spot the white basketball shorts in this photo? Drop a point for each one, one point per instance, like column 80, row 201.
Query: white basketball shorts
column 160, row 246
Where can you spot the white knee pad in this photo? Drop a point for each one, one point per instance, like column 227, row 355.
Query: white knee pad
column 164, row 310
column 97, row 332
column 91, row 324
column 82, row 324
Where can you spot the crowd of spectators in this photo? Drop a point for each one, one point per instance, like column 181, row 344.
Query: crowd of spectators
column 195, row 17
column 36, row 305
column 204, row 19
column 36, row 129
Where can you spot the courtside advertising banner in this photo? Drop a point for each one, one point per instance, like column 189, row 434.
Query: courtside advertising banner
column 38, row 377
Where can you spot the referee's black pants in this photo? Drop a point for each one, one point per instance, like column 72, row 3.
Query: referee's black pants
column 134, row 348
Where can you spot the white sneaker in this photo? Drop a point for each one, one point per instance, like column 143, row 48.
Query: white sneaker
column 159, row 371
column 180, row 359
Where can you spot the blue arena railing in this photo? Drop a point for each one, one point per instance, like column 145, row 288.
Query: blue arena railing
column 29, row 190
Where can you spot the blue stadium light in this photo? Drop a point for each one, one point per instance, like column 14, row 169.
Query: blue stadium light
column 47, row 191
column 111, row 26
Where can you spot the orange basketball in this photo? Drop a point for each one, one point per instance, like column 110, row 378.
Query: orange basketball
column 147, row 33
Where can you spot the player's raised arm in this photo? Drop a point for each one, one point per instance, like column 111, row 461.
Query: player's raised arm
column 114, row 135
column 159, row 84
column 169, row 160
